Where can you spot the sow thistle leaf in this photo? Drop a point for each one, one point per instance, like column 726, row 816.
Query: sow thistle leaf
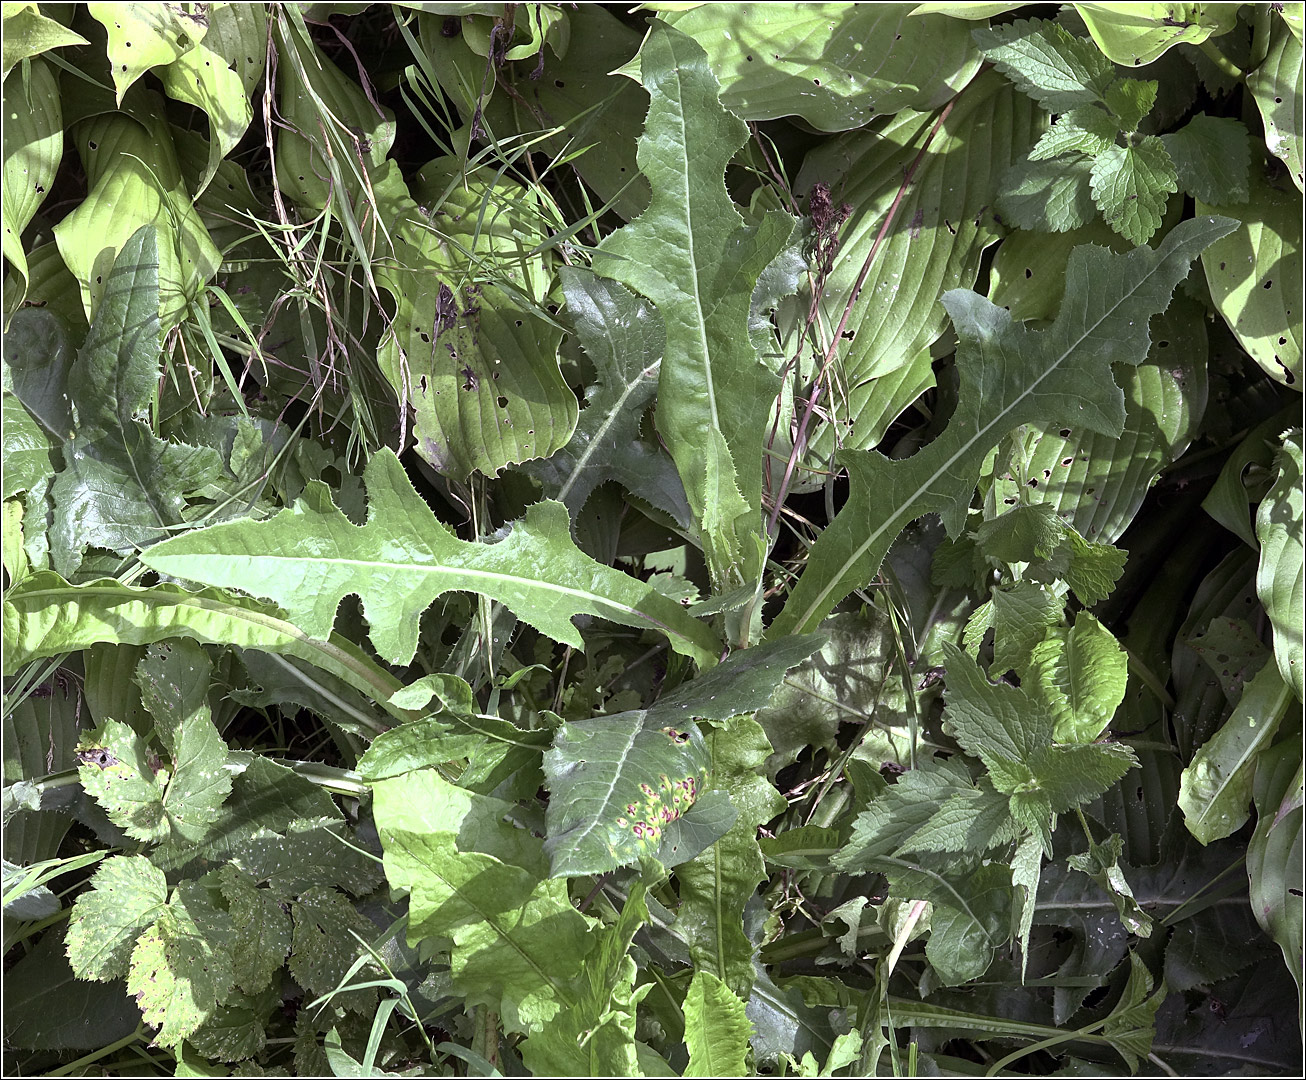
column 127, row 894
column 691, row 254
column 717, row 1028
column 1009, row 376
column 309, row 557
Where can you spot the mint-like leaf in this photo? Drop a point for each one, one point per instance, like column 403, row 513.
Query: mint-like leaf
column 1131, row 185
column 1047, row 62
column 1130, row 100
column 1212, row 157
column 1047, row 196
column 1085, row 130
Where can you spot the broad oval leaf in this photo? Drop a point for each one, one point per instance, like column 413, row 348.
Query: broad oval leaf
column 1274, row 853
column 1277, row 87
column 33, row 148
column 855, row 61
column 142, row 36
column 309, row 557
column 1136, row 34
column 29, row 33
column 1279, row 578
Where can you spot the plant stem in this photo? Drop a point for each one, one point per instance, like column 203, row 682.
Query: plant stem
column 95, row 1055
column 1227, row 66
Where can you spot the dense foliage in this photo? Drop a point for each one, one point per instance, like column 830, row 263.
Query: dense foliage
column 705, row 540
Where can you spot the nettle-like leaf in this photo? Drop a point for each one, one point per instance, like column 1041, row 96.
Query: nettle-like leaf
column 26, row 450
column 691, row 254
column 309, row 557
column 265, row 929
column 1279, row 577
column 1009, row 375
column 127, row 894
column 1211, row 156
column 122, row 486
column 1047, row 62
column 324, row 943
column 1048, row 196
column 627, row 785
column 1131, row 185
column 856, row 62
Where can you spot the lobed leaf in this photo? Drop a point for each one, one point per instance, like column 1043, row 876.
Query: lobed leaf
column 127, row 894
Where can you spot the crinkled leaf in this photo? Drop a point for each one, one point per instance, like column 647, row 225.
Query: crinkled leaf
column 1279, row 577
column 33, row 148
column 181, row 968
column 1048, row 196
column 1102, row 863
column 127, row 894
column 1277, row 87
column 323, row 943
column 1073, row 774
column 264, row 929
column 1022, row 617
column 1080, row 674
column 1215, row 792
column 1211, row 156
column 1085, row 130
column 691, row 254
column 1255, row 277
column 717, row 1028
column 988, row 719
column 403, row 559
column 1047, row 62
column 121, row 486
column 1131, row 185
column 1135, row 34
column 856, row 62
column 1009, row 375
column 1130, row 100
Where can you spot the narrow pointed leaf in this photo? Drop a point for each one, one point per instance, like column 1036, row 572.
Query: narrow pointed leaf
column 1279, row 577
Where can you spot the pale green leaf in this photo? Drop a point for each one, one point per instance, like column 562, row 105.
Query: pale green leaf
column 717, row 1028
column 1079, row 673
column 264, row 929
column 1071, row 775
column 1048, row 196
column 971, row 916
column 1215, row 791
column 1279, row 577
column 856, row 61
column 1274, row 853
column 181, row 968
column 1085, row 130
column 1131, row 100
column 1135, row 34
column 142, row 36
column 691, row 254
column 127, row 894
column 1211, row 156
column 1277, row 87
column 33, row 148
column 1009, row 376
column 1131, row 185
column 29, row 33
column 1026, row 869
column 26, row 449
column 1022, row 617
column 990, row 719
column 1255, row 277
column 403, row 559
column 1047, row 62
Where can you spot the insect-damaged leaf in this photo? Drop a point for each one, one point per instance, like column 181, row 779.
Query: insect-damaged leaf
column 309, row 557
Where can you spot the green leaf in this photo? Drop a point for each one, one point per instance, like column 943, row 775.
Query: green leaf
column 1080, row 673
column 219, row 74
column 970, row 918
column 1047, row 62
column 29, row 33
column 122, row 487
column 403, row 559
column 1255, row 277
column 623, row 336
column 1048, row 196
column 26, row 450
column 1102, row 863
column 1022, row 617
column 33, row 148
column 1277, row 87
column 1071, row 775
column 1245, row 478
column 1215, row 790
column 45, row 616
column 991, row 720
column 1131, row 185
column 1085, row 130
column 265, row 929
column 181, row 968
column 1211, row 156
column 691, row 254
column 1131, row 100
column 127, row 894
column 1274, row 853
column 1279, row 577
column 717, row 1028
column 1131, row 1025
column 1135, row 34
column 144, row 37
column 856, row 61
column 325, row 943
column 1009, row 376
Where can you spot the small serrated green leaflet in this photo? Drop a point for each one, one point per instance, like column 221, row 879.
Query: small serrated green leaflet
column 1131, row 185
column 1009, row 375
column 1085, row 130
column 717, row 1028
column 264, row 929
column 1048, row 196
column 1131, row 100
column 181, row 968
column 1072, row 775
column 1047, row 62
column 1022, row 617
column 1211, row 156
column 126, row 895
column 1079, row 673
column 991, row 719
column 323, row 944
column 1102, row 863
column 309, row 557
column 1279, row 576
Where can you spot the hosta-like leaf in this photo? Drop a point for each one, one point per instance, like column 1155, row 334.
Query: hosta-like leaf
column 1080, row 673
column 945, row 221
column 691, row 254
column 26, row 450
column 1215, row 792
column 127, row 894
column 1135, row 34
column 146, row 36
column 33, row 148
column 1277, row 87
column 29, row 33
column 1008, row 376
column 717, row 1028
column 1279, row 578
column 1255, row 276
column 1274, row 853
column 309, row 557
column 46, row 616
column 856, row 62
